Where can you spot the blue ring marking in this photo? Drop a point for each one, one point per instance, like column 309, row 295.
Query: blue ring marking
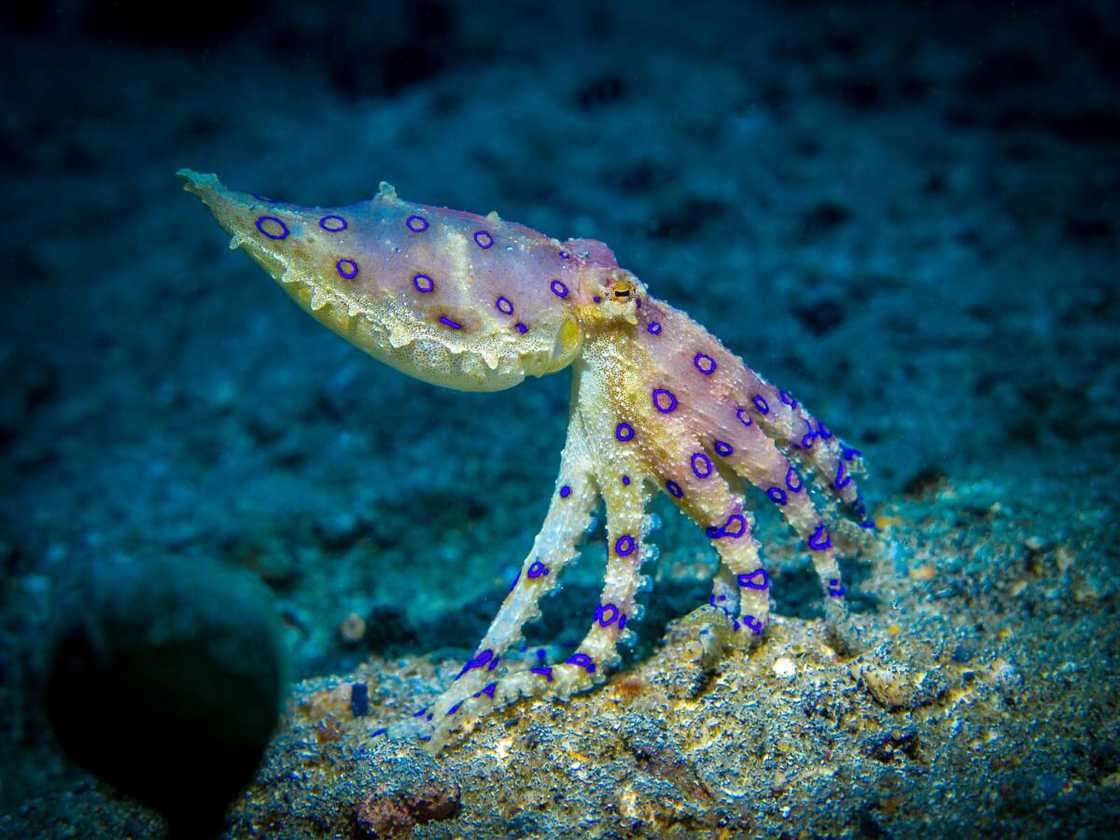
column 836, row 588
column 793, row 480
column 777, row 495
column 347, row 269
column 542, row 671
column 521, row 328
column 582, row 660
column 416, row 224
column 738, row 519
column 658, row 401
column 870, row 525
column 421, row 712
column 701, row 465
column 653, row 328
column 558, row 288
column 704, row 363
column 841, row 481
column 712, row 532
column 504, row 305
column 447, row 322
column 333, row 224
column 820, row 539
column 455, row 708
column 483, row 239
column 753, row 624
column 482, row 658
column 489, row 690
column 808, row 438
column 565, row 491
column 723, row 449
column 283, row 227
column 264, row 198
column 621, row 622
column 423, row 283
column 381, row 731
column 785, row 397
column 758, row 579
column 822, row 431
column 537, row 569
column 743, row 416
column 564, row 255
column 624, row 432
column 513, row 585
column 674, row 489
column 624, row 546
column 605, row 618
column 850, row 453
column 596, row 299
column 626, row 481
column 760, row 404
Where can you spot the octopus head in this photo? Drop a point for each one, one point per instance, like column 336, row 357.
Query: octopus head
column 609, row 297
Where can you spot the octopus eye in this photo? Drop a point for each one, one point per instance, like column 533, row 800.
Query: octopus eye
column 622, row 290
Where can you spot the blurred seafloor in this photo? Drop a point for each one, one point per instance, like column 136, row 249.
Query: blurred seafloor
column 906, row 214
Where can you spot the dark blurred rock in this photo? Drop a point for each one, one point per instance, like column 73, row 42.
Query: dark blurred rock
column 166, row 680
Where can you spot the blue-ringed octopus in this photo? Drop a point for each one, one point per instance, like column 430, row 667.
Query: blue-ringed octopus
column 658, row 405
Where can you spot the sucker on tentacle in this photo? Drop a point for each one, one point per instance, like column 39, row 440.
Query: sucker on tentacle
column 658, row 405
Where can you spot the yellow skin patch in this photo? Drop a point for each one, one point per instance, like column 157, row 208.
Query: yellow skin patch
column 658, row 405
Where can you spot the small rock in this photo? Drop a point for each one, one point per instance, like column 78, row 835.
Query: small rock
column 383, row 814
column 784, row 668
